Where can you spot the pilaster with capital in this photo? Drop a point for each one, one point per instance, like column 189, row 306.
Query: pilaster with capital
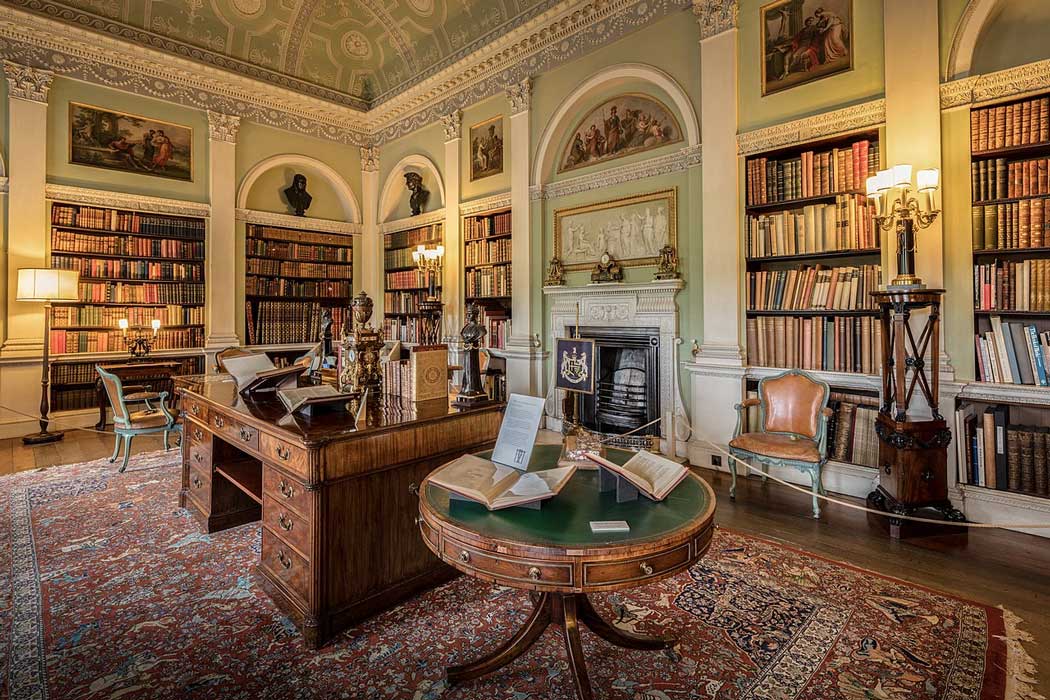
column 452, row 269
column 223, row 127
column 371, row 239
column 715, row 16
column 26, row 82
column 520, row 96
column 452, row 123
column 223, row 282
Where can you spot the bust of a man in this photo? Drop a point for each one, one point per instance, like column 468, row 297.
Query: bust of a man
column 418, row 200
column 298, row 198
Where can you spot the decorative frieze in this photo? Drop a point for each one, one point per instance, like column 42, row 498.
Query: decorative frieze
column 715, row 16
column 223, row 127
column 370, row 159
column 27, row 83
column 688, row 157
column 520, row 96
column 425, row 219
column 839, row 121
column 480, row 206
column 123, row 200
column 302, row 223
column 451, row 123
column 1001, row 85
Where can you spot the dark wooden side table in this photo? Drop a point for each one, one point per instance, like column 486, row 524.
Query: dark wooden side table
column 553, row 553
column 134, row 372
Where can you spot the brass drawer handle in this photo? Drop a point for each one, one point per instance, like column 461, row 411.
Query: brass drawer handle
column 246, row 435
column 283, row 452
column 285, row 560
column 534, row 573
column 195, row 409
column 646, row 569
column 419, row 520
column 197, row 456
column 196, row 481
column 285, row 523
column 219, row 422
column 198, row 435
column 413, row 489
column 464, row 556
column 286, row 490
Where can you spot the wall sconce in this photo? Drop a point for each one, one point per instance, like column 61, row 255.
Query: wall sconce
column 890, row 191
column 139, row 344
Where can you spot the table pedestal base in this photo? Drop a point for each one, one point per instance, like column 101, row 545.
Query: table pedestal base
column 566, row 611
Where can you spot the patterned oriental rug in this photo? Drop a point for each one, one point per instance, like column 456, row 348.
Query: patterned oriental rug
column 109, row 590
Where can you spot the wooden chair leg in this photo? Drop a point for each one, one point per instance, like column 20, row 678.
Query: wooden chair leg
column 732, row 482
column 166, row 446
column 127, row 452
column 116, row 448
column 816, row 490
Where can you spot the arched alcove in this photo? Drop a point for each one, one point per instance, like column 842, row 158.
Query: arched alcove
column 394, row 192
column 964, row 41
column 310, row 167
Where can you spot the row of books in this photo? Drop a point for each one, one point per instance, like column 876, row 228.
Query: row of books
column 812, row 174
column 483, row 252
column 64, row 373
column 851, row 429
column 1024, row 224
column 273, row 233
column 279, row 322
column 404, row 329
column 482, row 226
column 63, row 341
column 408, row 279
column 297, row 251
column 999, row 179
column 1023, row 285
column 70, row 242
column 126, row 222
column 265, row 266
column 131, row 269
column 488, row 281
column 398, row 257
column 402, row 302
column 813, row 287
column 137, row 316
column 125, row 293
column 73, row 399
column 1013, row 353
column 1007, row 126
column 991, row 452
column 260, row 286
column 816, row 228
column 497, row 325
column 413, row 237
column 833, row 343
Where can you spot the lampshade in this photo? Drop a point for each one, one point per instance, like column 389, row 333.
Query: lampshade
column 155, row 324
column 885, row 180
column 46, row 284
column 927, row 179
column 123, row 324
column 901, row 175
column 872, row 184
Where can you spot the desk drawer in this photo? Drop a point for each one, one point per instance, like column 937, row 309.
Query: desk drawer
column 505, row 566
column 235, row 432
column 287, row 525
column 198, row 485
column 196, row 435
column 284, row 454
column 199, row 457
column 288, row 492
column 197, row 409
column 286, row 566
column 636, row 569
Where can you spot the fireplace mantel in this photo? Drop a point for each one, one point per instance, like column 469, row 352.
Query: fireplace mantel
column 630, row 305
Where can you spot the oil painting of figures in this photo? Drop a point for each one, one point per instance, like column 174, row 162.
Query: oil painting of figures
column 106, row 139
column 805, row 40
column 618, row 127
column 486, row 148
column 632, row 230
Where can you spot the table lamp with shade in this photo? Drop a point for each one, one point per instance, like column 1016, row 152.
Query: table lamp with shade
column 43, row 284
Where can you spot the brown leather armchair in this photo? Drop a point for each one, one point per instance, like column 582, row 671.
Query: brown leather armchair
column 793, row 428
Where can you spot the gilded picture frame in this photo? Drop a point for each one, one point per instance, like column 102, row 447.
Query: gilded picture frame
column 804, row 41
column 582, row 234
column 100, row 137
column 486, row 148
column 623, row 125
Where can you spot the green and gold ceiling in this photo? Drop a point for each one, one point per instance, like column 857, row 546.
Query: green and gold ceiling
column 356, row 52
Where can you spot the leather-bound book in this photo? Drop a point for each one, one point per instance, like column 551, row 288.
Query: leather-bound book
column 1039, row 454
column 1013, row 459
column 843, row 431
column 1027, row 461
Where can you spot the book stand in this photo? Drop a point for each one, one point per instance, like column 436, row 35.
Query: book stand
column 453, row 497
column 609, row 480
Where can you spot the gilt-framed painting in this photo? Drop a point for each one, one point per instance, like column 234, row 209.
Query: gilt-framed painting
column 631, row 229
column 486, row 148
column 626, row 124
column 805, row 40
column 105, row 138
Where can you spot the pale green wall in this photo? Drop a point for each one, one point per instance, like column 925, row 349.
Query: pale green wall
column 958, row 245
column 61, row 171
column 428, row 141
column 494, row 184
column 1016, row 34
column 865, row 82
column 949, row 12
column 267, row 194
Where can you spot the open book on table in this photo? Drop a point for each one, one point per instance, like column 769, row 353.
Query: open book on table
column 652, row 474
column 496, row 486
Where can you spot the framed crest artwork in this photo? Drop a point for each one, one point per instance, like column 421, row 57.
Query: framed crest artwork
column 632, row 230
column 103, row 138
column 575, row 360
column 626, row 124
column 486, row 148
column 805, row 40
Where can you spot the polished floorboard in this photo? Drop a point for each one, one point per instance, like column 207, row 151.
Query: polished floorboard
column 991, row 566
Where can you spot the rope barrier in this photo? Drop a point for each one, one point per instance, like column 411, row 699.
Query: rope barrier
column 52, row 421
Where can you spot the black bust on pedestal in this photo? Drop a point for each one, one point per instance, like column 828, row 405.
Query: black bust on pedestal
column 472, row 391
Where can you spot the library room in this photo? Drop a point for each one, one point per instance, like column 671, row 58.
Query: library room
column 525, row 349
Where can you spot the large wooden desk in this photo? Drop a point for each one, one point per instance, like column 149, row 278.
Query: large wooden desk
column 337, row 504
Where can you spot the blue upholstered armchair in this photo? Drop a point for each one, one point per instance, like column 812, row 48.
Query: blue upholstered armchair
column 792, row 428
column 129, row 423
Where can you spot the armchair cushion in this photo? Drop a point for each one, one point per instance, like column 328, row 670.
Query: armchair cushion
column 142, row 419
column 793, row 403
column 777, row 446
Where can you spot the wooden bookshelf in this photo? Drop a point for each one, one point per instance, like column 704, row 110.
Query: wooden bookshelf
column 487, row 271
column 404, row 285
column 291, row 276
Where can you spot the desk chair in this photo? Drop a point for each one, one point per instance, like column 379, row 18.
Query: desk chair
column 129, row 423
column 793, row 426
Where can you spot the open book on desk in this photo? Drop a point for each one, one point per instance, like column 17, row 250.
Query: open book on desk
column 496, row 486
column 652, row 474
column 256, row 372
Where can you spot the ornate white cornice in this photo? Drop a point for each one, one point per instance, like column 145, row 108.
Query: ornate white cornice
column 370, row 159
column 684, row 158
column 424, row 219
column 223, row 127
column 452, row 122
column 840, row 121
column 485, row 204
column 1001, row 85
column 27, row 83
column 520, row 96
column 715, row 16
column 123, row 200
column 302, row 223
